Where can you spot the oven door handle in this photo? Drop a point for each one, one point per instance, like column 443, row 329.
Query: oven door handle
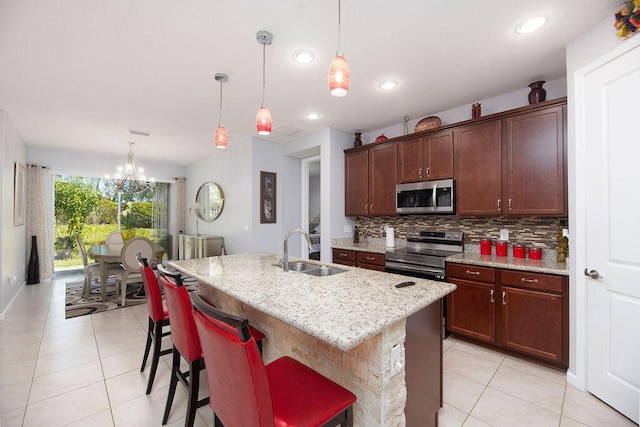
column 433, row 197
column 405, row 267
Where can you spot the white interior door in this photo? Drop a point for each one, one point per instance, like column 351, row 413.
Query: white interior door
column 613, row 211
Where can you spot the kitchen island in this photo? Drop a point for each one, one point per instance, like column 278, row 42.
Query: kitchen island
column 346, row 326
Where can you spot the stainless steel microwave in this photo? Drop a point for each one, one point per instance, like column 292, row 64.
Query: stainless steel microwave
column 428, row 197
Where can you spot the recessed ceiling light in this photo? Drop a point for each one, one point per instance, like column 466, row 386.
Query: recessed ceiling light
column 531, row 25
column 312, row 116
column 388, row 84
column 303, row 56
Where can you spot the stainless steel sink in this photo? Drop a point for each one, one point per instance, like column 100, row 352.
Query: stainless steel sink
column 302, row 266
column 312, row 269
column 323, row 271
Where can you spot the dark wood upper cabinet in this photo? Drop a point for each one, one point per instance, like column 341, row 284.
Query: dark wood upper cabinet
column 535, row 163
column 426, row 159
column 370, row 181
column 478, row 169
column 356, row 178
column 438, row 152
column 382, row 180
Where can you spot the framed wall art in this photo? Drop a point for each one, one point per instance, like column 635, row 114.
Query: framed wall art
column 19, row 177
column 267, row 197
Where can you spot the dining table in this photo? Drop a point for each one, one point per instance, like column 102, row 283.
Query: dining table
column 104, row 254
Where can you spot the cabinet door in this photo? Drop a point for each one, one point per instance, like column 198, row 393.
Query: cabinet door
column 532, row 322
column 438, row 152
column 478, row 170
column 471, row 310
column 410, row 161
column 383, row 162
column 535, row 182
column 356, row 178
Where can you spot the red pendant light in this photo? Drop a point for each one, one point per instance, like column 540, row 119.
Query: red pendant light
column 339, row 75
column 221, row 137
column 263, row 118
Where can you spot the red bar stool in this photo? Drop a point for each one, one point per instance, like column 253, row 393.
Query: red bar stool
column 245, row 392
column 158, row 319
column 186, row 343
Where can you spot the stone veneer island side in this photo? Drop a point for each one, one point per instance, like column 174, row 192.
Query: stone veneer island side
column 344, row 326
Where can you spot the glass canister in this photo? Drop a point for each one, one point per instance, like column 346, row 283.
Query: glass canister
column 535, row 253
column 501, row 248
column 485, row 246
column 519, row 250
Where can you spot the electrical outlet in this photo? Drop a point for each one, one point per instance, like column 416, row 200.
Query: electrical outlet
column 347, row 229
column 396, row 363
column 504, row 234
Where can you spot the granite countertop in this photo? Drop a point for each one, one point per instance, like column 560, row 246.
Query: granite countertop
column 545, row 265
column 343, row 310
column 368, row 244
column 471, row 256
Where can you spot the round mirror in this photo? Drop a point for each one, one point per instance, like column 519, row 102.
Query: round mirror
column 210, row 201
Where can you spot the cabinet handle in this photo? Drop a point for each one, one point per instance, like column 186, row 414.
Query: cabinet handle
column 509, row 204
column 523, row 280
column 343, row 254
column 371, row 208
column 499, row 208
column 370, row 258
column 428, row 171
column 366, row 210
column 504, row 298
column 475, row 273
column 420, row 173
column 493, row 300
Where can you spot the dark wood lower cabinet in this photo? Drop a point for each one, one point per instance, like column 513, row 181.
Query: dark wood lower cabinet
column 368, row 260
column 520, row 312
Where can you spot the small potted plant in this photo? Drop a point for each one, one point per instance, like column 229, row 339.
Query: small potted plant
column 127, row 222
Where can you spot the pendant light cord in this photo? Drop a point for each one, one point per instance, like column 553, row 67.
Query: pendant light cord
column 338, row 51
column 264, row 46
column 220, row 123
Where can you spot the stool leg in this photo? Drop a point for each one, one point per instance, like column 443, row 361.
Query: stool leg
column 148, row 345
column 194, row 385
column 175, row 366
column 157, row 343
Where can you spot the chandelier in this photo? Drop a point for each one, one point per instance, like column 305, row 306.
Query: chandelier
column 130, row 179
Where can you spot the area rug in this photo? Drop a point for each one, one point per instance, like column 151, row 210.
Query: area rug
column 76, row 305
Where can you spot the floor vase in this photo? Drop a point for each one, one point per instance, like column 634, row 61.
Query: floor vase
column 33, row 269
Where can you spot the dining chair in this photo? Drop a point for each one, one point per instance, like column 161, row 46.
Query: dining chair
column 245, row 392
column 131, row 271
column 91, row 270
column 158, row 319
column 114, row 238
column 186, row 344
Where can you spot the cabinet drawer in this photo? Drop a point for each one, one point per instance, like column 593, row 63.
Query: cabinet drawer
column 471, row 272
column 344, row 255
column 370, row 258
column 545, row 282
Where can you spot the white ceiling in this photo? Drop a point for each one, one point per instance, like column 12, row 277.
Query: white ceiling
column 78, row 75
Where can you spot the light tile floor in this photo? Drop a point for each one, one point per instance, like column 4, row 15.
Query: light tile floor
column 85, row 372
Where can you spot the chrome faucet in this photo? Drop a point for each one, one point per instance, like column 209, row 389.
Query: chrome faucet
column 285, row 256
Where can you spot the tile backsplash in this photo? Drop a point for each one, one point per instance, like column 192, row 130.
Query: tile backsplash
column 531, row 231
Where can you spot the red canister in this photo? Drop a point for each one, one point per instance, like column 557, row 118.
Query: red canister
column 519, row 251
column 535, row 253
column 501, row 248
column 485, row 246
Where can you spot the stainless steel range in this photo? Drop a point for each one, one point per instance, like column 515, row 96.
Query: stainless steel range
column 423, row 257
column 424, row 254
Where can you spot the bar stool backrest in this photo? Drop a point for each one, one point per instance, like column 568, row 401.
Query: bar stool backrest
column 151, row 289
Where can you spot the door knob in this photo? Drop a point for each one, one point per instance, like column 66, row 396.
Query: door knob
column 593, row 274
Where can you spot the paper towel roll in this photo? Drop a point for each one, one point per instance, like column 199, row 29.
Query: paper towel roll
column 391, row 238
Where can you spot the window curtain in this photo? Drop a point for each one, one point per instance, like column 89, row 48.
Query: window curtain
column 36, row 220
column 179, row 213
column 160, row 215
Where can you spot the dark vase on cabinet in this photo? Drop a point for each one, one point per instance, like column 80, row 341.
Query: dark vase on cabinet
column 33, row 270
column 537, row 94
